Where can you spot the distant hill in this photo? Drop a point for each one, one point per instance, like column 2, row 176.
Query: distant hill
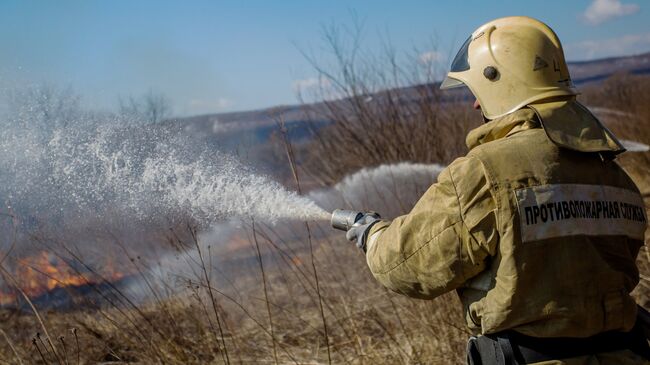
column 597, row 70
column 251, row 129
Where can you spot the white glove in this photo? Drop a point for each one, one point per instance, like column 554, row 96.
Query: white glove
column 358, row 233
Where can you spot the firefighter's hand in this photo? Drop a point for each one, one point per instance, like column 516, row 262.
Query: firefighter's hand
column 359, row 231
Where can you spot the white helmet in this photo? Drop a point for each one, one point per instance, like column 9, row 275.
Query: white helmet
column 513, row 62
column 509, row 63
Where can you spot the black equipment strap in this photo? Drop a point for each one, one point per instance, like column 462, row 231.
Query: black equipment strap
column 506, row 347
column 510, row 347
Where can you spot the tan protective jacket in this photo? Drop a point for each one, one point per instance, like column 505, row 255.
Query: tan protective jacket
column 534, row 237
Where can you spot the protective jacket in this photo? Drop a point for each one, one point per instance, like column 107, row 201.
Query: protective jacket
column 535, row 237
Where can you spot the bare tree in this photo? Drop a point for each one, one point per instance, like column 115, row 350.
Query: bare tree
column 44, row 107
column 384, row 107
column 151, row 107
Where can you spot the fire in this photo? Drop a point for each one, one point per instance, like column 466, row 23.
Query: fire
column 237, row 243
column 44, row 271
column 296, row 260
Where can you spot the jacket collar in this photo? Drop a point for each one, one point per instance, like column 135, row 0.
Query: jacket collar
column 520, row 120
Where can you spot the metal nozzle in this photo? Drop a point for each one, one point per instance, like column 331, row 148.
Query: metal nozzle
column 344, row 219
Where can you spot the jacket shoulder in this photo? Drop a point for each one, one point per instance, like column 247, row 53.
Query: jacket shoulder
column 534, row 140
column 530, row 158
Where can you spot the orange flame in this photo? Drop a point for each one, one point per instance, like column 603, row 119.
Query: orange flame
column 43, row 272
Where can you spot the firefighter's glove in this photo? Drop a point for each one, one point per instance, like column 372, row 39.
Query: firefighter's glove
column 359, row 231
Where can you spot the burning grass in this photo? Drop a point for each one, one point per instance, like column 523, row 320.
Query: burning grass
column 366, row 324
column 43, row 273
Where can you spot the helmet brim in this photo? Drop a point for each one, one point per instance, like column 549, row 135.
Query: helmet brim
column 451, row 83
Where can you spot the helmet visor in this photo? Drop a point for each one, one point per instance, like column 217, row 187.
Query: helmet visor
column 459, row 64
column 461, row 61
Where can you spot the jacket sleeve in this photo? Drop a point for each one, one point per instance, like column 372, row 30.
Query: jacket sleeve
column 444, row 241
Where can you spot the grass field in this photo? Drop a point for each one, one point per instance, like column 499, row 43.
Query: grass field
column 296, row 294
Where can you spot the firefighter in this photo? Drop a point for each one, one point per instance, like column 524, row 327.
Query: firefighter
column 537, row 228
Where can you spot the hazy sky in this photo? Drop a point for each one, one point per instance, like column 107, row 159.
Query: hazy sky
column 215, row 56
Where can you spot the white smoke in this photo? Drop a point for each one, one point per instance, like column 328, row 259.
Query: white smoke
column 388, row 189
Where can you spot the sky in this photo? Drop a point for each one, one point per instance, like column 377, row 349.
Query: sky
column 218, row 56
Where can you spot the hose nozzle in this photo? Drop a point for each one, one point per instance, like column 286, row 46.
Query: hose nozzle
column 344, row 219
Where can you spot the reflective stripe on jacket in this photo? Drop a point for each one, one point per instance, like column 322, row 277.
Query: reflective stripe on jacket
column 533, row 237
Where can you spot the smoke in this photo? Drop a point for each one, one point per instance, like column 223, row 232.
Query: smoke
column 388, row 189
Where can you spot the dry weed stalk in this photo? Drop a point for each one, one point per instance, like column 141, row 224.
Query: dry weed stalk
column 294, row 171
column 266, row 292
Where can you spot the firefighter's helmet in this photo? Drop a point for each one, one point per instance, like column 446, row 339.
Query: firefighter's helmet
column 509, row 63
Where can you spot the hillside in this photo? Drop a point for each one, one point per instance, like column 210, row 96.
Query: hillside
column 248, row 132
column 263, row 121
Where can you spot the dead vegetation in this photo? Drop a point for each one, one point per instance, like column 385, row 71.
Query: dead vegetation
column 384, row 107
column 272, row 317
column 308, row 299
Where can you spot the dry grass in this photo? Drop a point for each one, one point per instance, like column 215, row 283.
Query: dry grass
column 271, row 308
column 366, row 323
